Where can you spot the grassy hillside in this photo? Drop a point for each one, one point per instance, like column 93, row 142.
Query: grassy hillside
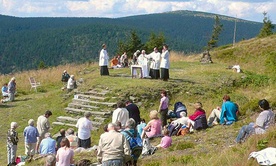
column 190, row 82
column 26, row 42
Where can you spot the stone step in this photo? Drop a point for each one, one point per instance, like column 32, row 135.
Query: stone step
column 77, row 105
column 95, row 113
column 70, row 125
column 85, row 96
column 74, row 120
column 101, row 119
column 96, row 92
column 94, row 102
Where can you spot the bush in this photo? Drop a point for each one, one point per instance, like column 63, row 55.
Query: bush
column 253, row 80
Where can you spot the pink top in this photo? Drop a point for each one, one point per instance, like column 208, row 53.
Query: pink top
column 155, row 128
column 64, row 156
column 164, row 102
column 166, row 142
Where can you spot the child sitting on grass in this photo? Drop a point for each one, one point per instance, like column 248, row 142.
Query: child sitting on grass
column 166, row 141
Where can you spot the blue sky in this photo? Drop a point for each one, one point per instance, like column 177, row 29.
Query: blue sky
column 245, row 9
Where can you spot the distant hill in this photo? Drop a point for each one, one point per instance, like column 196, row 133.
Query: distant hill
column 26, row 42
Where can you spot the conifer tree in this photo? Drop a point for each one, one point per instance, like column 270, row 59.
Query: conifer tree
column 155, row 41
column 215, row 34
column 267, row 27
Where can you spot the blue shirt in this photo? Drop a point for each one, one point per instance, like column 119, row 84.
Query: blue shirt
column 47, row 146
column 140, row 128
column 4, row 89
column 228, row 112
column 30, row 134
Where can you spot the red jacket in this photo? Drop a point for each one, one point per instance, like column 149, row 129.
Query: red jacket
column 196, row 114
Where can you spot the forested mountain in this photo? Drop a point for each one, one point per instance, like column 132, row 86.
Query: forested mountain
column 26, row 42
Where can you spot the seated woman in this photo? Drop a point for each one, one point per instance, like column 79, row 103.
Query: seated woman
column 65, row 154
column 263, row 121
column 114, row 62
column 154, row 127
column 198, row 112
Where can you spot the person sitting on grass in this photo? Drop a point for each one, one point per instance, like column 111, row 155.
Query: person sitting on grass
column 198, row 112
column 59, row 138
column 65, row 154
column 265, row 119
column 72, row 138
column 71, row 84
column 47, row 145
column 228, row 111
column 141, row 126
column 5, row 93
column 153, row 128
column 65, row 77
column 182, row 120
column 166, row 141
column 50, row 160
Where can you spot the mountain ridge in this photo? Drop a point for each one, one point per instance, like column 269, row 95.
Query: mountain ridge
column 62, row 40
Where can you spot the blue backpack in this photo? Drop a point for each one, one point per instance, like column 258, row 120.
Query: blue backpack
column 135, row 143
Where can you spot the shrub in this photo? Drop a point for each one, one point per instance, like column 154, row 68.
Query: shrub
column 253, row 80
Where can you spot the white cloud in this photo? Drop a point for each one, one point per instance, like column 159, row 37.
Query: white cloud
column 246, row 9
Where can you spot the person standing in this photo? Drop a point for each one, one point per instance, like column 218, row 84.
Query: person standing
column 133, row 111
column 12, row 140
column 164, row 107
column 113, row 147
column 103, row 61
column 30, row 133
column 120, row 114
column 143, row 61
column 84, row 126
column 43, row 126
column 165, row 63
column 155, row 73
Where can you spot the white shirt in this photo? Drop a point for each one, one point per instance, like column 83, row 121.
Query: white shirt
column 183, row 121
column 70, row 83
column 120, row 115
column 103, row 60
column 43, row 125
column 165, row 61
column 155, row 63
column 84, row 126
column 264, row 120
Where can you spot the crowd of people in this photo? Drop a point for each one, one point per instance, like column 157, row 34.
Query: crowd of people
column 127, row 131
column 154, row 65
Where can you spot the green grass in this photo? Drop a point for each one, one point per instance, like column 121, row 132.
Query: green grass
column 190, row 82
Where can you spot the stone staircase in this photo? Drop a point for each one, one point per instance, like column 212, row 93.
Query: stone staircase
column 93, row 101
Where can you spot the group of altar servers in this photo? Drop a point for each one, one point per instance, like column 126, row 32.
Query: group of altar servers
column 153, row 62
column 155, row 65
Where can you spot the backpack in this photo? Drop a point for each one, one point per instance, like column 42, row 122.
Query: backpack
column 135, row 143
column 179, row 107
column 173, row 128
column 200, row 122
